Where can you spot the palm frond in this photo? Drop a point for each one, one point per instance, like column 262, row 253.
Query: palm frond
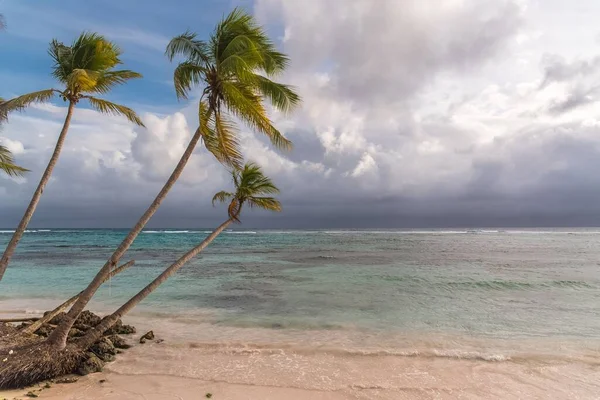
column 254, row 182
column 19, row 103
column 94, row 52
column 239, row 67
column 221, row 139
column 221, row 197
column 186, row 75
column 250, row 183
column 82, row 80
column 7, row 163
column 107, row 80
column 283, row 97
column 188, row 46
column 219, row 136
column 262, row 52
column 89, row 51
column 3, row 112
column 246, row 105
column 107, row 107
column 63, row 60
column 266, row 203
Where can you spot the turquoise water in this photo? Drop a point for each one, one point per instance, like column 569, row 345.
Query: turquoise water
column 488, row 283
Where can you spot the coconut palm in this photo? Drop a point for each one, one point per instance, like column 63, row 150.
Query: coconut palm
column 232, row 69
column 252, row 188
column 85, row 68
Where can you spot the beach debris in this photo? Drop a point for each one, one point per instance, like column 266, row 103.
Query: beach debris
column 208, row 395
column 159, row 341
column 102, row 380
column 90, row 365
column 47, row 385
column 31, row 394
column 148, row 336
column 67, row 380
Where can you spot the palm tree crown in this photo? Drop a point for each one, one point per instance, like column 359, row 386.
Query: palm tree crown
column 251, row 186
column 85, row 68
column 234, row 69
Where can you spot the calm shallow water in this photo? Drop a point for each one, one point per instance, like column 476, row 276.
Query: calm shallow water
column 513, row 283
column 374, row 314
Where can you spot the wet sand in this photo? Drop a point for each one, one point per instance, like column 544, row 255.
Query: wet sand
column 234, row 363
column 161, row 371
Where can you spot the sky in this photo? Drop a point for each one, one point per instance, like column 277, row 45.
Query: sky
column 415, row 113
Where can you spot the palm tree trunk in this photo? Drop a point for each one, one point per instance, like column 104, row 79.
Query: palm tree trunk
column 95, row 333
column 58, row 338
column 14, row 241
column 37, row 324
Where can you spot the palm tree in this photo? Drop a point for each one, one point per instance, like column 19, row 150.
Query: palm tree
column 233, row 68
column 85, row 68
column 251, row 188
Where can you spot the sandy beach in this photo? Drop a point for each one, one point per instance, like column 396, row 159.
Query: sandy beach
column 390, row 378
column 275, row 368
column 159, row 387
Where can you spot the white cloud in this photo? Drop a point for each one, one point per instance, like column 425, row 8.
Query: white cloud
column 366, row 165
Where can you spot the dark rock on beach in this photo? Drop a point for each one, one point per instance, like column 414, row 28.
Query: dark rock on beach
column 74, row 332
column 90, row 365
column 118, row 342
column 120, row 329
column 88, row 318
column 147, row 336
column 58, row 318
column 104, row 349
column 81, row 327
column 44, row 331
column 73, row 361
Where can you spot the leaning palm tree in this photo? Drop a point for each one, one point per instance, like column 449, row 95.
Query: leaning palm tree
column 252, row 188
column 85, row 68
column 233, row 69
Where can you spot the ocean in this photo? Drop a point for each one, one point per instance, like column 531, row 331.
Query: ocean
column 374, row 313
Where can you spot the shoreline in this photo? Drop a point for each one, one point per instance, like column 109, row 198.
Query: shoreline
column 198, row 357
column 251, row 375
column 122, row 386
